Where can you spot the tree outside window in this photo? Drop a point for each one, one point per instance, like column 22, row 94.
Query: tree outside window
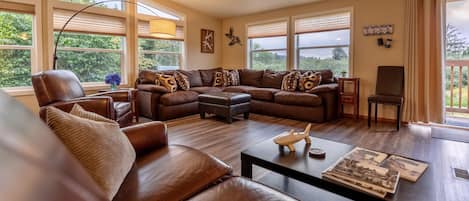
column 15, row 49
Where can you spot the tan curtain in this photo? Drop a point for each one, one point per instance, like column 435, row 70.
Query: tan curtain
column 424, row 101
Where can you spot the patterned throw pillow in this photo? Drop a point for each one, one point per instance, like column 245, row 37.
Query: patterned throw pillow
column 157, row 82
column 232, row 78
column 309, row 80
column 226, row 78
column 219, row 79
column 290, row 81
column 168, row 81
column 101, row 147
column 182, row 80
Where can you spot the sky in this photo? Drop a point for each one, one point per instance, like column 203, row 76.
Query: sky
column 457, row 14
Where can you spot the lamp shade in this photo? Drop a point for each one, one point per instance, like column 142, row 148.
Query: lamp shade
column 163, row 28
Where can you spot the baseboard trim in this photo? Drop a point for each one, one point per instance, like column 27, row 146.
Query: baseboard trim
column 380, row 119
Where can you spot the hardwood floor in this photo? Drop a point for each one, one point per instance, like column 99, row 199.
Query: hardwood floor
column 226, row 141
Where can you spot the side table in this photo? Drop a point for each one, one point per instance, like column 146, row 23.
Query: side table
column 133, row 99
column 349, row 97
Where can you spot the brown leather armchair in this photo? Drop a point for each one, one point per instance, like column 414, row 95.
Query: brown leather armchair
column 62, row 89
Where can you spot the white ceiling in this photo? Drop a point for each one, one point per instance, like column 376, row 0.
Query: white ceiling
column 231, row 8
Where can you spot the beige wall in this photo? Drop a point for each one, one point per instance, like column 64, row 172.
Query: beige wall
column 366, row 55
column 194, row 58
column 194, row 22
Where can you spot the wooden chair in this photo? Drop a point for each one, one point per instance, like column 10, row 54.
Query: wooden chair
column 389, row 91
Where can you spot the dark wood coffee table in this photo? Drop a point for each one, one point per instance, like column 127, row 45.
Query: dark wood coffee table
column 299, row 166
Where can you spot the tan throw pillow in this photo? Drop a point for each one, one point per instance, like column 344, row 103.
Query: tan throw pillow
column 168, row 82
column 219, row 79
column 308, row 81
column 78, row 111
column 290, row 81
column 182, row 81
column 101, row 147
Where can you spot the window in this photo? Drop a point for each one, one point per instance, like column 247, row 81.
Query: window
column 90, row 56
column 148, row 10
column 323, row 42
column 117, row 5
column 92, row 45
column 267, row 46
column 16, row 45
column 158, row 53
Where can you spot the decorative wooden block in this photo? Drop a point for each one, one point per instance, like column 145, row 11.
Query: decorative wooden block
column 292, row 137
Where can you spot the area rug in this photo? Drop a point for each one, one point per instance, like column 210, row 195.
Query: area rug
column 460, row 135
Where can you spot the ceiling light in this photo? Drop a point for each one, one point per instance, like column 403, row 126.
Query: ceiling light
column 163, row 28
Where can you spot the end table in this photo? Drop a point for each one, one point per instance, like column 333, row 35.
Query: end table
column 349, row 97
column 133, row 100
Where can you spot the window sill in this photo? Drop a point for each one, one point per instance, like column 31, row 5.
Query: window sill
column 19, row 91
column 29, row 91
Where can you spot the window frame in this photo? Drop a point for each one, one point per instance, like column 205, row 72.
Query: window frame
column 33, row 48
column 295, row 36
column 248, row 41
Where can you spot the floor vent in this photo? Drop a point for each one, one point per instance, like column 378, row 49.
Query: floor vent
column 460, row 173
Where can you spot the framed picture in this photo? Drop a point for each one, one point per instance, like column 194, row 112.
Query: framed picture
column 207, row 41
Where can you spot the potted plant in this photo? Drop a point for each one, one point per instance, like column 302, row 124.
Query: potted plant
column 113, row 79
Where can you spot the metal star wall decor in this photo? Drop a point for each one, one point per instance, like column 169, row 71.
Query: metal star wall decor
column 233, row 39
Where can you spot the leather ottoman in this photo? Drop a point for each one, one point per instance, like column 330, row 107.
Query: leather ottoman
column 225, row 104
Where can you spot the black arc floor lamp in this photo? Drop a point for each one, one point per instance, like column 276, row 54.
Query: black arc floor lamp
column 162, row 28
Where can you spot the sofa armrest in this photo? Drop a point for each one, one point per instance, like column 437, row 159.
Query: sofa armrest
column 147, row 136
column 152, row 88
column 325, row 88
column 117, row 96
column 102, row 105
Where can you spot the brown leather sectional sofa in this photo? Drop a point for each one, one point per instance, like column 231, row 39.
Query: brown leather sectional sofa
column 264, row 86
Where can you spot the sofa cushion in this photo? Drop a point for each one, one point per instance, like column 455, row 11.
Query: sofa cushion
column 273, row 79
column 204, row 90
column 177, row 172
column 122, row 108
column 195, row 79
column 251, row 77
column 308, row 81
column 332, row 87
column 265, row 94
column 100, row 146
column 239, row 89
column 152, row 88
column 290, row 81
column 238, row 188
column 179, row 97
column 297, row 98
column 208, row 76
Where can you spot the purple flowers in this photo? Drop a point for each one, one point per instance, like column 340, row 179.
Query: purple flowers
column 113, row 79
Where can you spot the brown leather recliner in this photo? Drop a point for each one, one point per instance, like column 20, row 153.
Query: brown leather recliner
column 62, row 89
column 37, row 166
